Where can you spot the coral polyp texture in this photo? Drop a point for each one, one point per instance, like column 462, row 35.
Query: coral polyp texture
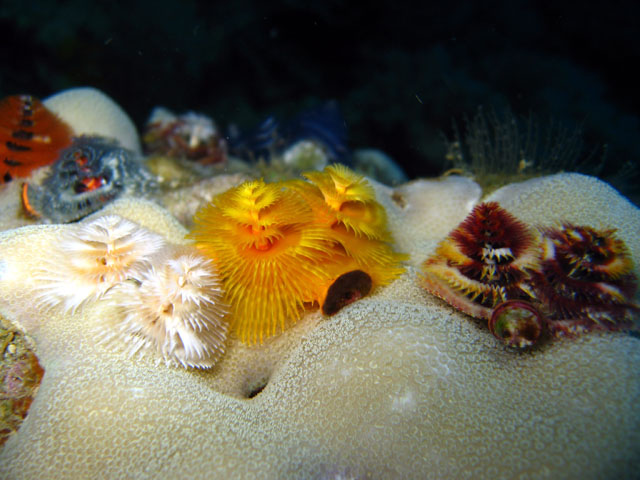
column 269, row 254
column 174, row 307
column 281, row 246
column 90, row 258
column 586, row 280
column 483, row 262
column 411, row 387
column 31, row 136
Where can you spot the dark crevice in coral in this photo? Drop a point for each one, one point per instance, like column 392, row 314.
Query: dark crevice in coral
column 254, row 387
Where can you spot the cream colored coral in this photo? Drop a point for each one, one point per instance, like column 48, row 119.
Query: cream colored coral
column 397, row 385
column 88, row 111
column 424, row 211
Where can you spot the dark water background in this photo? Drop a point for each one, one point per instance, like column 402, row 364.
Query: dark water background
column 401, row 71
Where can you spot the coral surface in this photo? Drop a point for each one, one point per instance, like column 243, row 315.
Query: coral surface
column 88, row 111
column 397, row 385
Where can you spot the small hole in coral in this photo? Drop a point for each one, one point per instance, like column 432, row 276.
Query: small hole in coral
column 398, row 199
column 254, row 388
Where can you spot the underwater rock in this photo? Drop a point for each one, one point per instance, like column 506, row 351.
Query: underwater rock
column 397, row 385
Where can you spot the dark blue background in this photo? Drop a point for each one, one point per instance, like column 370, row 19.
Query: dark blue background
column 400, row 70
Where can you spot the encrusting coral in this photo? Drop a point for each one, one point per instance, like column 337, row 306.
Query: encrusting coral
column 412, row 387
column 173, row 306
column 282, row 246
